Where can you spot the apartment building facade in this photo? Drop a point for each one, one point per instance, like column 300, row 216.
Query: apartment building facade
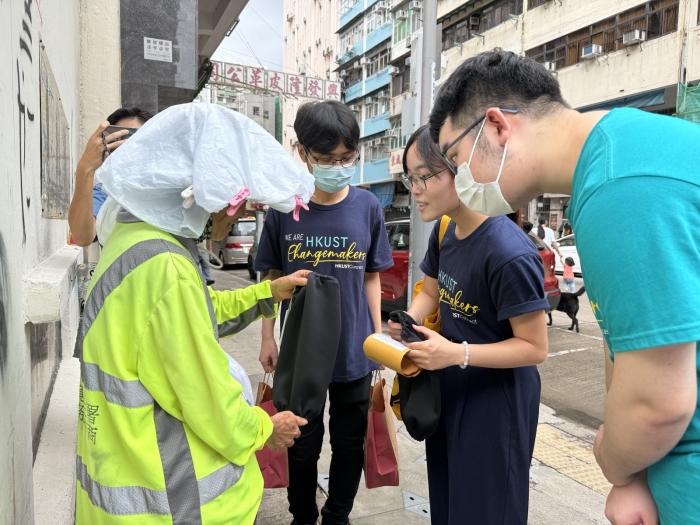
column 605, row 54
column 310, row 46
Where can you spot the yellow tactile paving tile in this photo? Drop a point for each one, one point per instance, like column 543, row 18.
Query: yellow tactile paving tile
column 570, row 456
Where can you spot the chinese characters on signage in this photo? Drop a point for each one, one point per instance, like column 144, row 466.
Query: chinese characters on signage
column 287, row 83
column 396, row 161
column 157, row 49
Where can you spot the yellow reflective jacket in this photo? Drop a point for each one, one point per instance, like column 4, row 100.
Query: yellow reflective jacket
column 164, row 434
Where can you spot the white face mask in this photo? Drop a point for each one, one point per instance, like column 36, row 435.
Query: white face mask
column 481, row 197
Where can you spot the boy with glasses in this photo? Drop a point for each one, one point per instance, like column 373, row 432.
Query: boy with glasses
column 616, row 166
column 341, row 235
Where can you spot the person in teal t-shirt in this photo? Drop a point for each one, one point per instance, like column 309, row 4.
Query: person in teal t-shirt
column 634, row 180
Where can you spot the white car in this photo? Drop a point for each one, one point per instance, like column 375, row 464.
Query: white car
column 567, row 247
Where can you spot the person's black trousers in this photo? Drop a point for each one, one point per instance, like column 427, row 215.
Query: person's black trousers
column 349, row 405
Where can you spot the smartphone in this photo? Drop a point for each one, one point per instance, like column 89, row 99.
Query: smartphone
column 113, row 129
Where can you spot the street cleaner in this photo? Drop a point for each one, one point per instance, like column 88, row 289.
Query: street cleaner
column 167, row 427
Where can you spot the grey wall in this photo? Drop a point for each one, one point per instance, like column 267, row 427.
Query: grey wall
column 149, row 84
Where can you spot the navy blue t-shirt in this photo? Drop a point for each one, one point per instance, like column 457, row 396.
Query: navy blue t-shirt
column 343, row 240
column 488, row 277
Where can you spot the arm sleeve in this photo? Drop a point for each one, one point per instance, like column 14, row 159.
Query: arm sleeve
column 269, row 256
column 517, row 287
column 639, row 243
column 431, row 261
column 98, row 199
column 183, row 367
column 236, row 309
column 379, row 257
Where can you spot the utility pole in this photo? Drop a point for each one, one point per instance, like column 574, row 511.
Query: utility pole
column 420, row 231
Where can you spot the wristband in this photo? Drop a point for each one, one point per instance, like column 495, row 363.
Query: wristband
column 466, row 355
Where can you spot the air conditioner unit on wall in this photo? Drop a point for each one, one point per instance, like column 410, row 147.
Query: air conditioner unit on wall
column 474, row 22
column 401, row 14
column 636, row 36
column 591, row 51
column 415, row 5
column 550, row 66
column 364, row 61
column 393, row 70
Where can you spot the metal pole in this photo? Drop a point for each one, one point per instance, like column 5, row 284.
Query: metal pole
column 420, row 231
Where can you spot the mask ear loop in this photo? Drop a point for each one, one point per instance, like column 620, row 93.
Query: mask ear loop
column 503, row 161
column 469, row 162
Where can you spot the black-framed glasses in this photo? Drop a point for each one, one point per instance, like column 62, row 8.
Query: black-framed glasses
column 347, row 162
column 409, row 180
column 443, row 153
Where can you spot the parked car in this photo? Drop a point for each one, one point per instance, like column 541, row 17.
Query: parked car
column 394, row 281
column 235, row 248
column 551, row 283
column 567, row 247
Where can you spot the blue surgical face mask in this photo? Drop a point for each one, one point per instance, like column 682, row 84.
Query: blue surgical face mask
column 333, row 179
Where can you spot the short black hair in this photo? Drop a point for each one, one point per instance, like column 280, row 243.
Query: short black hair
column 123, row 113
column 321, row 126
column 427, row 150
column 569, row 261
column 527, row 226
column 495, row 78
column 542, row 221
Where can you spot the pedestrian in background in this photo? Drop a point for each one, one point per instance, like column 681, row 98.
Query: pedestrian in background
column 569, row 284
column 88, row 198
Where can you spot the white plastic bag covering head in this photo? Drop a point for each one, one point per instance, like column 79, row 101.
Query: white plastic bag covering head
column 217, row 152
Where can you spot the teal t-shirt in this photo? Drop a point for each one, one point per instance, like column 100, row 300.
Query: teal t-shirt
column 635, row 208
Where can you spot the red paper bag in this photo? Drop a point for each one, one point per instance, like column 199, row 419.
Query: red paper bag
column 273, row 463
column 381, row 451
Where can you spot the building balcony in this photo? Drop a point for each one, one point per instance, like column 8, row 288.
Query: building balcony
column 378, row 80
column 400, row 49
column 347, row 56
column 395, row 106
column 376, row 171
column 378, row 36
column 374, row 125
column 354, row 91
column 350, row 15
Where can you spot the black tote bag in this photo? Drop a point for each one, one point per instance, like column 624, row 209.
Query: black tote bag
column 309, row 347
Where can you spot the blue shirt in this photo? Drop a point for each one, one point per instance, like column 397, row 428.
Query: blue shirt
column 343, row 240
column 98, row 199
column 491, row 275
column 635, row 208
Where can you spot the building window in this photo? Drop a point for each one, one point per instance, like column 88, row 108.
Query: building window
column 378, row 61
column 401, row 82
column 396, row 139
column 376, row 149
column 531, row 4
column 657, row 18
column 377, row 19
column 377, row 104
column 346, row 5
column 351, row 37
column 256, row 111
column 266, row 114
column 352, row 75
column 463, row 26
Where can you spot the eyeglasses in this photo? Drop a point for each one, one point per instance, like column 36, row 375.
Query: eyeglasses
column 451, row 165
column 347, row 162
column 409, row 180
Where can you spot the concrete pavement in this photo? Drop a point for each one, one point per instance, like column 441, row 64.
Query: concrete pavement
column 566, row 486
